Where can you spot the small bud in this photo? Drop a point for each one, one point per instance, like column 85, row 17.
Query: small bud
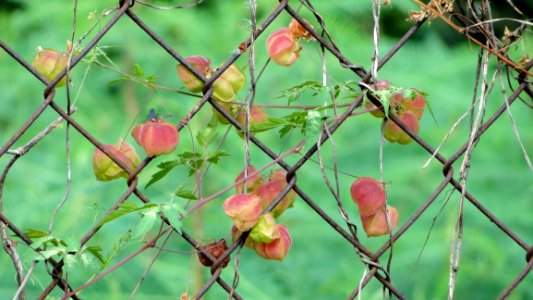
column 193, row 83
column 50, row 63
column 376, row 225
column 266, row 230
column 215, row 249
column 278, row 248
column 105, row 169
column 156, row 137
column 251, row 183
column 244, row 209
column 270, row 190
column 369, row 194
column 282, row 47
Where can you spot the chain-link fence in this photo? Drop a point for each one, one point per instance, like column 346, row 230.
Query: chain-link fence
column 476, row 29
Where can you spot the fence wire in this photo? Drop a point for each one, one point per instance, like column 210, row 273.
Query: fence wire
column 374, row 260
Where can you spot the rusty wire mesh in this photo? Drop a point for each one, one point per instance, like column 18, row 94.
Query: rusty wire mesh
column 348, row 232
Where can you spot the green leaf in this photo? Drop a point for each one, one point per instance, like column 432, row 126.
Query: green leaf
column 138, row 71
column 126, row 208
column 384, row 96
column 269, row 124
column 71, row 261
column 173, row 212
column 96, row 251
column 146, row 223
column 313, row 122
column 165, row 167
column 151, row 79
column 284, row 131
column 182, row 192
column 214, row 156
column 46, row 254
column 82, row 261
column 296, row 91
column 113, row 81
column 430, row 110
column 206, row 136
column 34, row 233
column 193, row 161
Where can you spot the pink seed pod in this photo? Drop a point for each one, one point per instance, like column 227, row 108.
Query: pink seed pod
column 105, row 169
column 50, row 63
column 278, row 249
column 244, row 209
column 415, row 105
column 283, row 48
column 193, row 83
column 156, row 136
column 265, row 230
column 369, row 194
column 393, row 133
column 269, row 191
column 298, row 31
column 376, row 225
column 251, row 183
column 257, row 116
column 215, row 249
column 226, row 87
column 236, row 233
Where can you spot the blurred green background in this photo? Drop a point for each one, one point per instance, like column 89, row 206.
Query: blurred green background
column 321, row 264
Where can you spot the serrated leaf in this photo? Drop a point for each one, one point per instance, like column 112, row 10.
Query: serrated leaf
column 430, row 110
column 43, row 241
column 215, row 156
column 35, row 233
column 295, row 92
column 165, row 167
column 96, row 251
column 173, row 212
column 384, row 97
column 182, row 192
column 113, row 81
column 46, row 254
column 151, row 79
column 70, row 261
column 313, row 122
column 284, row 130
column 269, row 124
column 188, row 155
column 146, row 223
column 126, row 208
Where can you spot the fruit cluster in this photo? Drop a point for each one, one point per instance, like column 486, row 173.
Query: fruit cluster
column 370, row 196
column 269, row 239
column 407, row 104
column 225, row 87
column 155, row 136
column 283, row 45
